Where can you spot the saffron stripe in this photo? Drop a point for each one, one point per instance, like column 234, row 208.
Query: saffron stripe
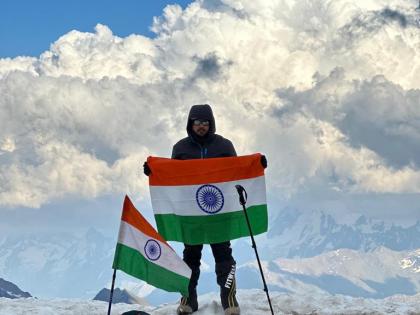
column 134, row 218
column 212, row 229
column 169, row 172
column 133, row 263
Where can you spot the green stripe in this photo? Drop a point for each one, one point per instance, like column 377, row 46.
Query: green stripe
column 135, row 264
column 210, row 229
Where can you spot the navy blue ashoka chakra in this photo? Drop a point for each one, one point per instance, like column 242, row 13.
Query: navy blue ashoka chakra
column 210, row 198
column 152, row 250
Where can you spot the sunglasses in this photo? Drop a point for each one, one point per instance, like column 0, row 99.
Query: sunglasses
column 197, row 122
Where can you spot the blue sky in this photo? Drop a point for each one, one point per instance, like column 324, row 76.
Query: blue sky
column 29, row 27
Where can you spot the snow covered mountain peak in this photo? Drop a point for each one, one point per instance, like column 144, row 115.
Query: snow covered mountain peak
column 308, row 250
column 297, row 233
column 11, row 291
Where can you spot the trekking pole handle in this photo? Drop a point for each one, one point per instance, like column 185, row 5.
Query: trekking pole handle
column 241, row 191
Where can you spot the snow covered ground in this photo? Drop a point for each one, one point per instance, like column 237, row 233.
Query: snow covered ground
column 253, row 302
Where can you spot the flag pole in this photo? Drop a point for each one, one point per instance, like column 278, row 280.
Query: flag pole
column 242, row 200
column 112, row 291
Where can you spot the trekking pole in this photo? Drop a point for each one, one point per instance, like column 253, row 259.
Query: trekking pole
column 242, row 200
column 112, row 291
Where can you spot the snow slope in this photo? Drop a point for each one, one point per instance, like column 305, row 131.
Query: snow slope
column 253, row 302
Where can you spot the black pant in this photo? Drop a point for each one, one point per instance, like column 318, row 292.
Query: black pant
column 222, row 253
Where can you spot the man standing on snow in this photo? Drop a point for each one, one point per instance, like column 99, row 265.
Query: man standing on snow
column 202, row 142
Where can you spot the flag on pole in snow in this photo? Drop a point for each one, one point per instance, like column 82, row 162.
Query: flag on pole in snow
column 144, row 254
column 196, row 202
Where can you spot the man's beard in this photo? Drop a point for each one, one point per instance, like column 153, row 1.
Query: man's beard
column 201, row 132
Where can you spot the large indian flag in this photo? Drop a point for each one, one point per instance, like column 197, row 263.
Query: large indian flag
column 144, row 254
column 196, row 202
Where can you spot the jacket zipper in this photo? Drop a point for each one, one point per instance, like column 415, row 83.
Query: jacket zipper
column 203, row 150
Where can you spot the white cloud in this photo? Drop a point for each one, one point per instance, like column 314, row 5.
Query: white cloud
column 8, row 145
column 328, row 89
column 64, row 170
column 357, row 136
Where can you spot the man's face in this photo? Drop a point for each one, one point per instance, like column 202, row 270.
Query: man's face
column 200, row 127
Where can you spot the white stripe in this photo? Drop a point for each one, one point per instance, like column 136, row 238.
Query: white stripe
column 132, row 237
column 181, row 200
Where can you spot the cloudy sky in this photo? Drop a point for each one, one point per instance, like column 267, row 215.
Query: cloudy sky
column 329, row 90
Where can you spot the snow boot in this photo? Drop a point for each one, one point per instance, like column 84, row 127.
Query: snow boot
column 188, row 305
column 226, row 280
column 228, row 299
column 192, row 256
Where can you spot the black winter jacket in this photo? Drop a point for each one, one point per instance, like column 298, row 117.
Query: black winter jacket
column 209, row 146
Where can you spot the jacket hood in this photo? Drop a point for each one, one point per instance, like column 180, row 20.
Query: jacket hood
column 201, row 112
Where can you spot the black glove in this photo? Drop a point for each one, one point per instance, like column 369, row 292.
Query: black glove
column 263, row 161
column 146, row 169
